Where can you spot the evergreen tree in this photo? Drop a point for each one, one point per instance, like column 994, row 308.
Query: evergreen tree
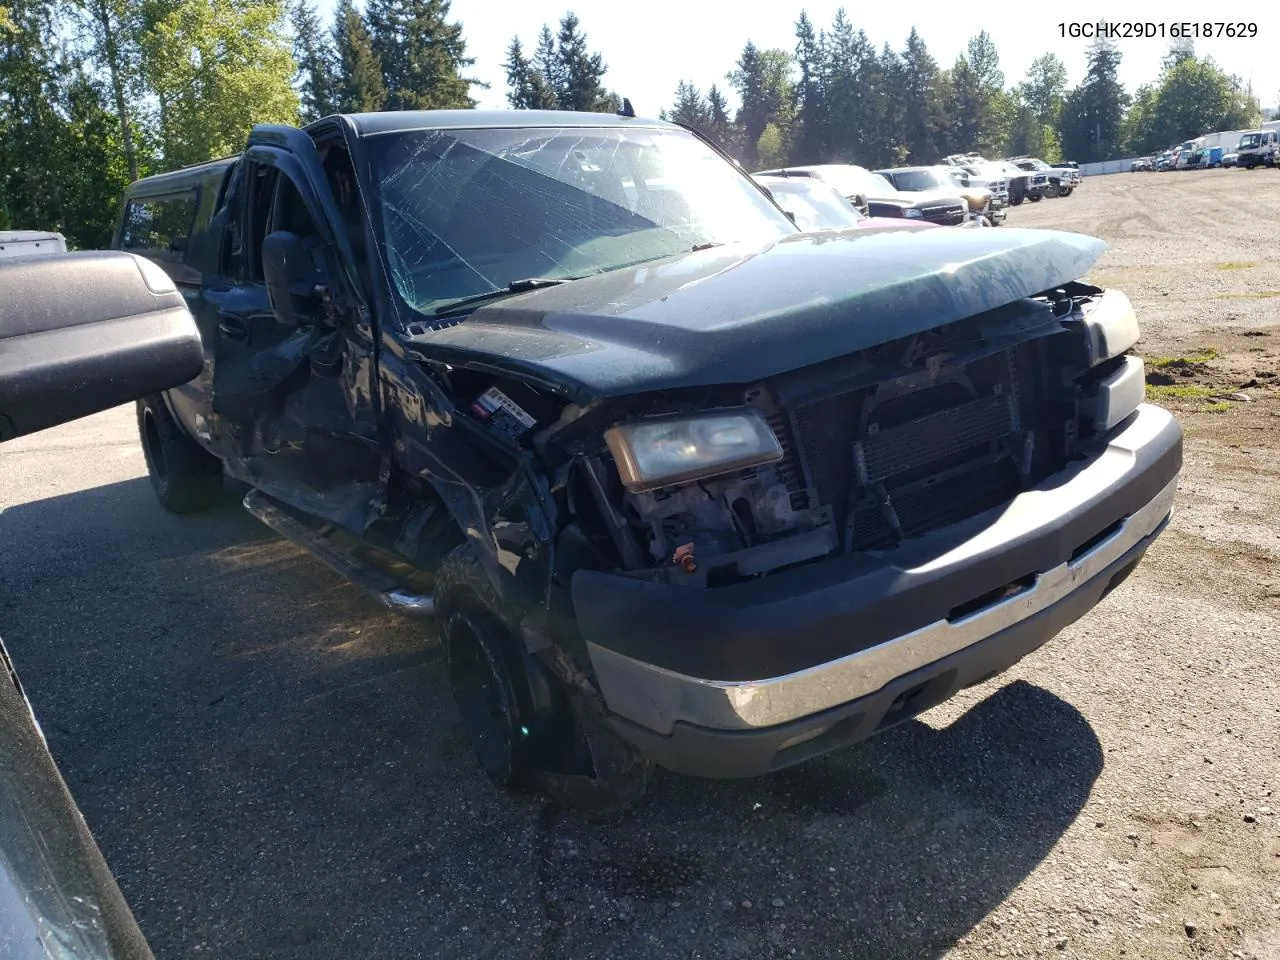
column 359, row 82
column 528, row 89
column 765, row 90
column 813, row 134
column 422, row 55
column 1093, row 111
column 582, row 71
column 1043, row 87
column 314, row 53
column 720, row 127
column 690, row 108
column 563, row 72
column 921, row 123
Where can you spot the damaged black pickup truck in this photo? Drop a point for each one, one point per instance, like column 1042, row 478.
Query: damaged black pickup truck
column 680, row 483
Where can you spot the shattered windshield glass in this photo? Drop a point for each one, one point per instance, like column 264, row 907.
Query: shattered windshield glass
column 466, row 212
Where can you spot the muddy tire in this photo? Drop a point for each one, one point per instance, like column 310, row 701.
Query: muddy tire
column 527, row 727
column 1066, row 191
column 185, row 477
column 1037, row 198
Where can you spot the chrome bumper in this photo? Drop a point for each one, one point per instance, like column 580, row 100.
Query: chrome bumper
column 658, row 699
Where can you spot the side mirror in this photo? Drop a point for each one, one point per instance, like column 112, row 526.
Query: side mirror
column 83, row 332
column 297, row 276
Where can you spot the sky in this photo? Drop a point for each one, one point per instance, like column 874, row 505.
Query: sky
column 650, row 45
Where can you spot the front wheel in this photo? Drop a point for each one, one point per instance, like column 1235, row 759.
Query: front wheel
column 1066, row 191
column 526, row 726
column 1036, row 199
column 186, row 478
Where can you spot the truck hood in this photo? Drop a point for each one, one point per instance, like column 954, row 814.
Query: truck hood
column 740, row 313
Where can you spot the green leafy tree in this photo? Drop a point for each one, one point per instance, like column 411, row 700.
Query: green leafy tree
column 422, row 55
column 215, row 68
column 317, row 59
column 91, row 164
column 771, row 149
column 1043, row 88
column 113, row 28
column 30, row 127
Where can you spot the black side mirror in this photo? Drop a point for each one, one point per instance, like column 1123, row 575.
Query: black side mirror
column 297, row 276
column 85, row 332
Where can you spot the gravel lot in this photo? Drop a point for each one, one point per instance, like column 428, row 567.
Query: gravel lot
column 273, row 768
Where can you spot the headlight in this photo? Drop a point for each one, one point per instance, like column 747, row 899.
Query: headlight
column 1110, row 327
column 912, row 214
column 658, row 453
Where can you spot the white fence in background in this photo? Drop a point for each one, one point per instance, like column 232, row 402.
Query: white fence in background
column 1105, row 166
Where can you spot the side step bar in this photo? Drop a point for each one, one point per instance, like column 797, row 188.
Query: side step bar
column 383, row 586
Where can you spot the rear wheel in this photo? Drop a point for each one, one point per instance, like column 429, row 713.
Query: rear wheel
column 526, row 727
column 1036, row 198
column 186, row 478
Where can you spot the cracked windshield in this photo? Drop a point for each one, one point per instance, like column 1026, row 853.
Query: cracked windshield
column 468, row 212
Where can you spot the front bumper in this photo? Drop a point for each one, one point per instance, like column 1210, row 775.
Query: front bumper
column 740, row 680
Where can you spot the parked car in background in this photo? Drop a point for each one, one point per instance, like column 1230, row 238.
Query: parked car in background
column 1062, row 181
column 848, row 179
column 1230, row 159
column 814, row 205
column 877, row 197
column 690, row 487
column 937, row 181
column 1140, row 165
column 1258, row 148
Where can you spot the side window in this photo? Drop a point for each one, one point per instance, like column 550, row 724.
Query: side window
column 261, row 183
column 232, row 254
column 159, row 227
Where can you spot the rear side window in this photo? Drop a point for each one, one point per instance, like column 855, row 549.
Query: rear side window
column 159, row 227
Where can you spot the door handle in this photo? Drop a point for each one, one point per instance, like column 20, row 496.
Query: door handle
column 233, row 327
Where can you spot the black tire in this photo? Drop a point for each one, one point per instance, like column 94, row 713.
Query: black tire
column 1015, row 201
column 185, row 477
column 526, row 726
column 1053, row 191
column 1037, row 198
column 1066, row 191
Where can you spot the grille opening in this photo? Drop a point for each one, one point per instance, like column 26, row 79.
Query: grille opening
column 1096, row 539
column 991, row 598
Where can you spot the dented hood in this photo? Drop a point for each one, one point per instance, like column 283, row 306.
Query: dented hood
column 736, row 314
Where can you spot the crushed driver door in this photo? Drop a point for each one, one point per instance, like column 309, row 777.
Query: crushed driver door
column 295, row 390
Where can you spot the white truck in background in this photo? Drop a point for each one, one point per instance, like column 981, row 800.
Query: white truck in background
column 30, row 243
column 1258, row 148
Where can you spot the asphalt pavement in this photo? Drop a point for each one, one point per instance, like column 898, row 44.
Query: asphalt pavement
column 273, row 767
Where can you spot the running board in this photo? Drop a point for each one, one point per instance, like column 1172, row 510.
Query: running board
column 384, row 587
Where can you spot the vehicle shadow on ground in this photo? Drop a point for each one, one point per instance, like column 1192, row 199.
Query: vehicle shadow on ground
column 273, row 768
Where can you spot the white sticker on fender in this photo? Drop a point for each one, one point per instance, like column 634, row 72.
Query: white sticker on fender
column 493, row 399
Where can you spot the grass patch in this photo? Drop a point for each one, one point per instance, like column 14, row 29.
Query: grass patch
column 1221, row 406
column 1199, row 355
column 1181, row 391
column 1250, row 295
column 1241, row 265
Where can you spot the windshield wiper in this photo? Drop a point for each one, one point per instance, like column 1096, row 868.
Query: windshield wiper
column 514, row 287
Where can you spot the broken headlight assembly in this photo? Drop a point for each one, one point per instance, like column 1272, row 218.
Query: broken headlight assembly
column 663, row 452
column 1110, row 327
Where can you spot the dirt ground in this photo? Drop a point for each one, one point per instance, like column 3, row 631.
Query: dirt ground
column 273, row 768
